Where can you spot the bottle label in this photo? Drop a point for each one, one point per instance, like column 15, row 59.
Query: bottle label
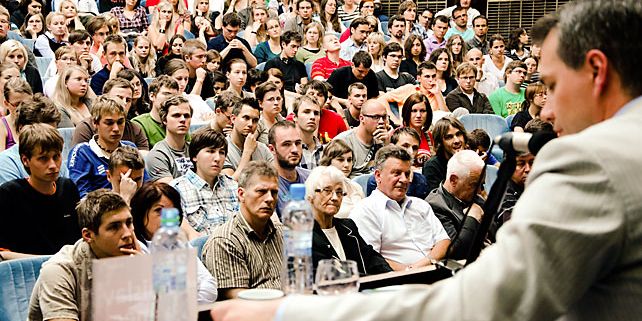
column 170, row 271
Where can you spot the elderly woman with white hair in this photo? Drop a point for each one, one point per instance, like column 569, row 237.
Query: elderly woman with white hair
column 337, row 238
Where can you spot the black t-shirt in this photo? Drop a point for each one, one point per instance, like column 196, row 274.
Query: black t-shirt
column 292, row 69
column 34, row 223
column 207, row 90
column 343, row 77
column 521, row 119
column 352, row 122
column 387, row 83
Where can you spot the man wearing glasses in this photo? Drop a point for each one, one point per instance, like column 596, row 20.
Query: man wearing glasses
column 390, row 78
column 465, row 95
column 460, row 17
column 508, row 100
column 368, row 137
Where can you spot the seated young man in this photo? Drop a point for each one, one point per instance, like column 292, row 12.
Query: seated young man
column 208, row 196
column 293, row 70
column 115, row 53
column 508, row 100
column 88, row 162
column 38, row 212
column 39, row 110
column 246, row 251
column 63, row 289
column 168, row 159
column 159, row 90
column 126, row 171
column 122, row 89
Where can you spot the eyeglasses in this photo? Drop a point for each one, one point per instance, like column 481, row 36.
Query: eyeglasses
column 328, row 192
column 376, row 117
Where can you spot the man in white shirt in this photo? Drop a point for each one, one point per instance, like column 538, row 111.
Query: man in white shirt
column 403, row 229
column 471, row 12
column 359, row 31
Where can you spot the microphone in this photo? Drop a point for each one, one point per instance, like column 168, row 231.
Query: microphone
column 524, row 142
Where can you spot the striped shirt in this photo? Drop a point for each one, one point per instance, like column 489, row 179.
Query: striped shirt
column 206, row 207
column 240, row 259
column 347, row 17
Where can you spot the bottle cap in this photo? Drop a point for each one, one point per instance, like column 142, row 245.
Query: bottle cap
column 297, row 192
column 169, row 217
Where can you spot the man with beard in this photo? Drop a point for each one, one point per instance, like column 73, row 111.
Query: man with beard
column 286, row 145
column 450, row 137
column 460, row 17
column 397, row 28
column 242, row 144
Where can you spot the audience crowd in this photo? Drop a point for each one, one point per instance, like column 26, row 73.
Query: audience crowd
column 113, row 110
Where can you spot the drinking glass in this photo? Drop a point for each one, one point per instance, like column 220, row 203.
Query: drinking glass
column 337, row 277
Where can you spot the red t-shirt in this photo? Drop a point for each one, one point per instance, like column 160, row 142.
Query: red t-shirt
column 324, row 67
column 330, row 125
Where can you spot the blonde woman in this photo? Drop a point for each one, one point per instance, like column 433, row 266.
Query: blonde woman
column 55, row 36
column 256, row 30
column 165, row 24
column 376, row 42
column 143, row 58
column 73, row 96
column 65, row 57
column 312, row 47
column 69, row 10
column 13, row 51
column 15, row 91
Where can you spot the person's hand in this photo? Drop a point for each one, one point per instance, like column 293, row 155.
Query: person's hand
column 256, row 25
column 476, row 212
column 127, row 185
column 233, row 310
column 435, row 90
column 227, row 130
column 380, row 135
column 162, row 22
column 133, row 251
column 250, row 143
column 201, row 73
column 117, row 66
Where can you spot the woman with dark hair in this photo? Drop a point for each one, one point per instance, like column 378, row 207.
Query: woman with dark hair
column 416, row 113
column 534, row 100
column 175, row 45
column 27, row 8
column 442, row 60
column 517, row 41
column 329, row 17
column 414, row 50
column 140, row 105
column 33, row 27
column 146, row 207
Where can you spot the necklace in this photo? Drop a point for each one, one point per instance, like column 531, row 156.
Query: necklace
column 108, row 151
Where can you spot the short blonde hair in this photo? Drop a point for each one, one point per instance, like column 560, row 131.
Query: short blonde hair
column 10, row 46
column 378, row 38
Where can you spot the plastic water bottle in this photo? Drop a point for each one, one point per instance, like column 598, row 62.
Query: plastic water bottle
column 170, row 268
column 298, row 222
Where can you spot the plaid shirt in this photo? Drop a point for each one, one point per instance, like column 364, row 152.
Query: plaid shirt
column 138, row 24
column 420, row 31
column 206, row 207
column 311, row 158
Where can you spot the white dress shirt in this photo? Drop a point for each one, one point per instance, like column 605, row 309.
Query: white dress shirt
column 403, row 233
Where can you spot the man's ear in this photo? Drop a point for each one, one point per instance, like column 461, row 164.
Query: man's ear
column 453, row 179
column 271, row 147
column 377, row 175
column 24, row 160
column 109, row 176
column 87, row 235
column 597, row 61
column 241, row 194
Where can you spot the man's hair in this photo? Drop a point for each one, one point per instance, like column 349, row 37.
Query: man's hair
column 458, row 8
column 392, row 47
column 5, row 12
column 218, row 76
column 512, row 66
column 478, row 138
column 97, row 203
column 94, row 24
column 254, row 78
column 175, row 100
column 205, row 137
column 394, row 139
column 299, row 2
column 462, row 162
column 190, row 45
column 280, row 124
column 391, row 151
column 362, row 58
column 356, row 85
column 103, row 106
column 231, row 19
column 606, row 26
column 317, row 85
column 38, row 110
column 395, row 18
column 116, row 39
column 238, row 106
column 117, row 83
column 335, row 148
column 440, row 130
column 65, row 50
column 537, row 125
column 43, row 136
column 175, row 65
column 162, row 81
column 253, row 169
column 356, row 22
column 226, row 100
column 290, row 36
column 78, row 35
column 426, row 65
column 299, row 101
column 265, row 88
column 466, row 67
column 480, row 17
column 405, row 6
column 440, row 18
column 126, row 156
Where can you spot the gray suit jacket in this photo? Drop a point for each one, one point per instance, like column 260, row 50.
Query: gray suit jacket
column 572, row 249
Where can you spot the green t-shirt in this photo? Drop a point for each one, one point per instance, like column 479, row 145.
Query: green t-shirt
column 154, row 131
column 505, row 103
